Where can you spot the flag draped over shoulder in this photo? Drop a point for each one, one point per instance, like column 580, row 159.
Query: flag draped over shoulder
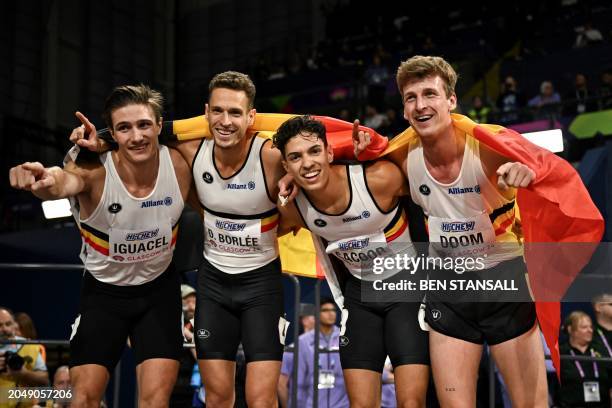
column 298, row 255
column 560, row 222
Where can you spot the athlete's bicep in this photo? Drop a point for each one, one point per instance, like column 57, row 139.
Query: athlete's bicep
column 187, row 149
column 273, row 168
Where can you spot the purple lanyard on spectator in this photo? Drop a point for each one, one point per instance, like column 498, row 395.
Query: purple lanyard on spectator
column 579, row 367
column 605, row 342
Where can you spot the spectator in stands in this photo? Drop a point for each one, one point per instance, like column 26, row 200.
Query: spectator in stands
column 188, row 294
column 27, row 369
column 602, row 336
column 587, row 35
column 307, row 323
column 373, row 119
column 510, row 101
column 332, row 391
column 546, row 103
column 27, row 330
column 580, row 98
column 307, row 318
column 479, row 112
column 605, row 90
column 583, row 383
column 61, row 381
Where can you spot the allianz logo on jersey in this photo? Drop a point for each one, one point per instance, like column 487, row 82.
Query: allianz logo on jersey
column 458, row 226
column 230, row 226
column 464, row 190
column 142, row 235
column 365, row 214
column 244, row 186
column 354, row 244
column 154, row 203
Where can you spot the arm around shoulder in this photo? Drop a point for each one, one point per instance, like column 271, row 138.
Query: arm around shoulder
column 290, row 220
column 385, row 177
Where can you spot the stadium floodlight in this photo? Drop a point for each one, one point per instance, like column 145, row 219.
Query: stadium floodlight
column 548, row 139
column 56, row 208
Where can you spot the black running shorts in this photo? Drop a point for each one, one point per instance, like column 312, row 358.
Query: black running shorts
column 377, row 329
column 148, row 314
column 245, row 307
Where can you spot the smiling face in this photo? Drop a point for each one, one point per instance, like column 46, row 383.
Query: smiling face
column 308, row 160
column 228, row 116
column 427, row 107
column 135, row 130
column 582, row 332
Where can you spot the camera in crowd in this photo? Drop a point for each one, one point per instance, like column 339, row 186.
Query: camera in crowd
column 13, row 361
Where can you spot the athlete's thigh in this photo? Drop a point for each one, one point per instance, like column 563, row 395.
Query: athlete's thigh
column 454, row 363
column 217, row 330
column 262, row 328
column 99, row 333
column 521, row 363
column 157, row 333
column 405, row 342
column 363, row 344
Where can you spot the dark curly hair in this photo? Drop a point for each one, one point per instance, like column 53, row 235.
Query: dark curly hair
column 295, row 126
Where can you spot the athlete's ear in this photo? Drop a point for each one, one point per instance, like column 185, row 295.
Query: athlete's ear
column 251, row 115
column 453, row 102
column 160, row 124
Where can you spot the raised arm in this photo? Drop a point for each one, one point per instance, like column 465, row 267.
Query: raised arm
column 46, row 183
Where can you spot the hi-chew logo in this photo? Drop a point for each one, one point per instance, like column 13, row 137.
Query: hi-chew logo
column 354, row 244
column 142, row 235
column 230, row 226
column 458, row 226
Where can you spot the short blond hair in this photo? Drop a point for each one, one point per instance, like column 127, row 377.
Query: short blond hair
column 420, row 67
column 236, row 81
column 572, row 320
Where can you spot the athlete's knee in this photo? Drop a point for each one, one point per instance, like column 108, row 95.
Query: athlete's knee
column 412, row 402
column 154, row 398
column 262, row 402
column 83, row 398
column 363, row 401
column 219, row 400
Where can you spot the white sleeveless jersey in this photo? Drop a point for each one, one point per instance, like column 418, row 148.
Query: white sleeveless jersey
column 129, row 240
column 363, row 232
column 240, row 218
column 468, row 217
